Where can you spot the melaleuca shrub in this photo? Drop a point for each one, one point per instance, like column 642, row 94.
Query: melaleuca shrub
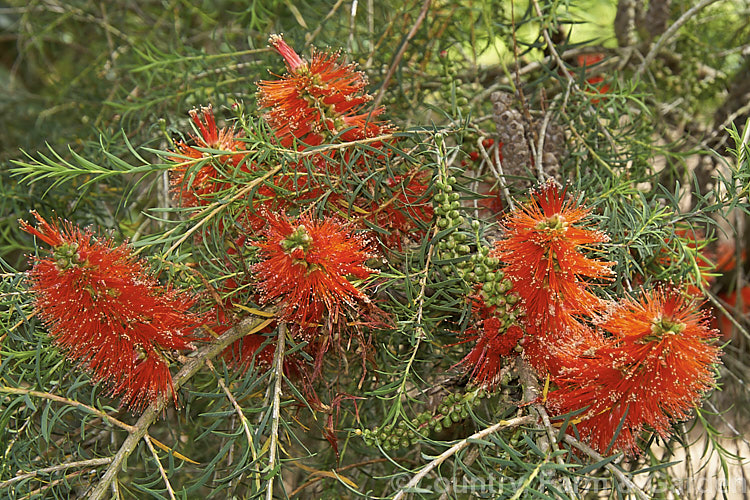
column 324, row 287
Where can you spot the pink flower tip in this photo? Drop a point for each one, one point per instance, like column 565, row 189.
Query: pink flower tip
column 291, row 58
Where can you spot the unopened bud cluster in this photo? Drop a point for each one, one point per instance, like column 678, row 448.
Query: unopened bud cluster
column 455, row 243
column 453, row 409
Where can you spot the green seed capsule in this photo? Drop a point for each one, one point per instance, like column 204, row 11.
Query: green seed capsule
column 463, row 249
column 454, row 196
column 442, row 223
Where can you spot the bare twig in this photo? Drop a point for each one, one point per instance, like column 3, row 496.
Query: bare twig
column 715, row 301
column 400, row 53
column 161, row 469
column 152, row 412
column 503, row 424
column 217, row 207
column 419, row 300
column 563, row 69
column 497, row 169
column 240, row 414
column 278, row 363
column 94, row 462
column 60, row 399
column 311, row 36
column 668, row 34
column 611, row 468
column 531, row 395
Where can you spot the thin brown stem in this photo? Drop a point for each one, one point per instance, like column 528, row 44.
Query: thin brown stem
column 400, row 53
column 149, row 416
column 668, row 34
column 94, row 462
column 240, row 415
column 161, row 468
column 70, row 402
column 503, row 424
column 611, row 468
column 278, row 364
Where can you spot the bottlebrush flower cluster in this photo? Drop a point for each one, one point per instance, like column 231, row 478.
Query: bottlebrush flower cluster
column 101, row 306
column 198, row 174
column 654, row 366
column 640, row 362
column 318, row 102
column 324, row 102
column 305, row 266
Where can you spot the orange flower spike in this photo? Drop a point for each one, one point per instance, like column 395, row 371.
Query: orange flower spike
column 305, row 268
column 493, row 343
column 670, row 346
column 318, row 99
column 192, row 185
column 652, row 371
column 540, row 252
column 101, row 306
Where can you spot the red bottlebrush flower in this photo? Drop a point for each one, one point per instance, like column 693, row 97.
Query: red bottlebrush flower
column 652, row 371
column 540, row 254
column 247, row 351
column 586, row 60
column 319, row 100
column 724, row 323
column 101, row 306
column 305, row 268
column 495, row 341
column 399, row 214
column 149, row 378
column 192, row 183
